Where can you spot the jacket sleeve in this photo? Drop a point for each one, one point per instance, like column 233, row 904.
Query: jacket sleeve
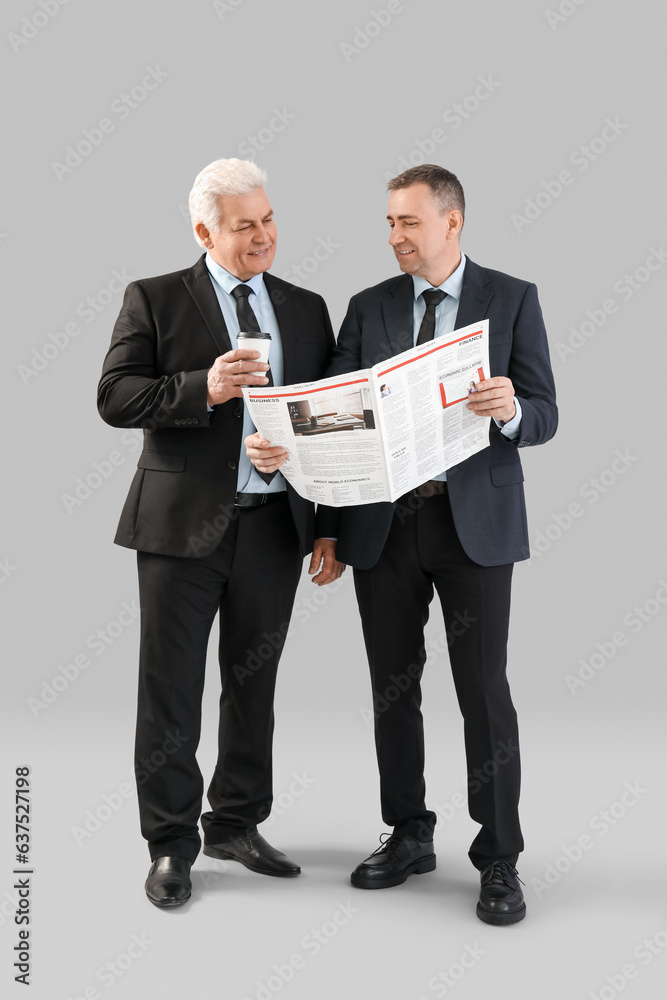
column 131, row 393
column 531, row 374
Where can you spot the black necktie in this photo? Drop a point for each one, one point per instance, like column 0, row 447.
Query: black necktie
column 432, row 299
column 246, row 317
column 248, row 324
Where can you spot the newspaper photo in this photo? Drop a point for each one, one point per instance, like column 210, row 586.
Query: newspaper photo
column 375, row 434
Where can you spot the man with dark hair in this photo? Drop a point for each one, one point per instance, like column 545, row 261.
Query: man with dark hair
column 212, row 535
column 444, row 186
column 459, row 534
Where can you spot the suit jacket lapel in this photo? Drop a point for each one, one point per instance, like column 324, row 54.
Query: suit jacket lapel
column 282, row 307
column 398, row 311
column 198, row 283
column 476, row 295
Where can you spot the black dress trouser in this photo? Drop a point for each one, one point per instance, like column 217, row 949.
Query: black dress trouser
column 423, row 552
column 251, row 580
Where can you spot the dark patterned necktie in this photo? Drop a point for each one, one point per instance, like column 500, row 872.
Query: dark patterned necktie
column 432, row 299
column 246, row 317
column 248, row 324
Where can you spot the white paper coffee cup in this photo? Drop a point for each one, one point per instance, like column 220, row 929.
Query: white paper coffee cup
column 256, row 342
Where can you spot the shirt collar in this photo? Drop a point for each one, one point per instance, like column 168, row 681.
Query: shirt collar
column 452, row 285
column 228, row 281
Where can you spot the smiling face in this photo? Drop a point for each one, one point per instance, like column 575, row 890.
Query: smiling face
column 245, row 243
column 425, row 242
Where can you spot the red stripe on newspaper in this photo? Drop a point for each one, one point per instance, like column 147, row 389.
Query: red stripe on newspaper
column 480, row 374
column 443, row 396
column 307, row 392
column 385, row 371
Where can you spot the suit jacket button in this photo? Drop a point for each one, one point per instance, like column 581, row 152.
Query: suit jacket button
column 231, row 465
column 237, row 412
column 177, row 422
column 195, row 420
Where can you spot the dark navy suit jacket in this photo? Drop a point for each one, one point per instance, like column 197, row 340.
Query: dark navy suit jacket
column 486, row 490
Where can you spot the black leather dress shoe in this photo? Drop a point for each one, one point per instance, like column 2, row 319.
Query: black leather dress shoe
column 393, row 861
column 256, row 854
column 168, row 882
column 500, row 898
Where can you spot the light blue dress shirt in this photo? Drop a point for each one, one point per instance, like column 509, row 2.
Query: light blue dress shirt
column 445, row 322
column 248, row 480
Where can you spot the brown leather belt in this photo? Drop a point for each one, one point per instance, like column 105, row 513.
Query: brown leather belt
column 433, row 488
column 249, row 500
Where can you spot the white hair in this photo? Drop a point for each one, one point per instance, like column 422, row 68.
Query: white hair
column 221, row 177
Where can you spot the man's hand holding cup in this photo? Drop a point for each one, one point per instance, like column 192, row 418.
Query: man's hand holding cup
column 233, row 370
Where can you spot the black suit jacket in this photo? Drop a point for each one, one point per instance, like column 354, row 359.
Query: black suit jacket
column 169, row 332
column 486, row 491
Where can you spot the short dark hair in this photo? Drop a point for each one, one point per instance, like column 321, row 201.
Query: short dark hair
column 445, row 186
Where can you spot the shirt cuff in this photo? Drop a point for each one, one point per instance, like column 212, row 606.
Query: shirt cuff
column 510, row 429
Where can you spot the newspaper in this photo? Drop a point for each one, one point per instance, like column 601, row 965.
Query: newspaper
column 375, row 434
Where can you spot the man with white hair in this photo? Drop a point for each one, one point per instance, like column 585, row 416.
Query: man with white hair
column 211, row 533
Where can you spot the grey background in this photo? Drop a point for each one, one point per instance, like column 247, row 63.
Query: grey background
column 356, row 113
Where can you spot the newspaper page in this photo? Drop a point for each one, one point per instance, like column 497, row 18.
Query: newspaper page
column 336, row 453
column 425, row 423
column 375, row 434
